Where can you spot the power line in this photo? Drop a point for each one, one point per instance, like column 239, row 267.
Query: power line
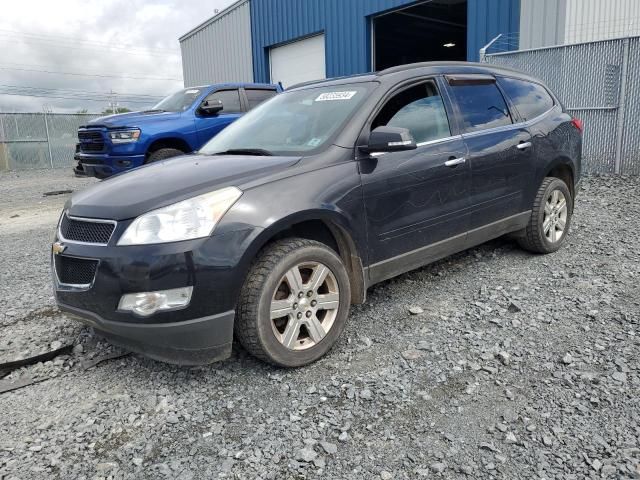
column 74, row 91
column 99, row 75
column 84, row 99
column 75, row 41
column 104, row 50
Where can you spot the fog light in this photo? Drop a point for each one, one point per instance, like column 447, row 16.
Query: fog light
column 148, row 303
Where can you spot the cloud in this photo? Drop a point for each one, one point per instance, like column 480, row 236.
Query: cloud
column 126, row 38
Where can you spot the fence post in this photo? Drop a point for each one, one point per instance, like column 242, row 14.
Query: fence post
column 46, row 129
column 622, row 107
column 3, row 146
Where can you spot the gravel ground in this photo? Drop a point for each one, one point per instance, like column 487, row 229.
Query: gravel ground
column 494, row 363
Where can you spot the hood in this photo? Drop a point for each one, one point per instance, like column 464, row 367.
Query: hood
column 156, row 185
column 132, row 119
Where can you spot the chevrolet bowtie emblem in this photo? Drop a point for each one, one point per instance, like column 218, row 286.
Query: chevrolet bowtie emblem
column 57, row 248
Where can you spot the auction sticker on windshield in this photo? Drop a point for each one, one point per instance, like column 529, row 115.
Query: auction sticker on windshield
column 331, row 96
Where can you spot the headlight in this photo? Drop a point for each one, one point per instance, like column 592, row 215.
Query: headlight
column 124, row 136
column 186, row 220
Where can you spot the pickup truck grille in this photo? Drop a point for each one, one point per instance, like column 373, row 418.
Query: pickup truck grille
column 91, row 141
column 75, row 271
column 85, row 230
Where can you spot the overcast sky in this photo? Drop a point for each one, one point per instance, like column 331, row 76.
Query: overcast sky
column 121, row 38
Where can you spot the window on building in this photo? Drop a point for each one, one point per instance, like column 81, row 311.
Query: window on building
column 420, row 110
column 481, row 106
column 531, row 99
column 230, row 100
column 256, row 96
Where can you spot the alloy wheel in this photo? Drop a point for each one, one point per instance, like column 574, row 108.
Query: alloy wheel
column 304, row 305
column 555, row 216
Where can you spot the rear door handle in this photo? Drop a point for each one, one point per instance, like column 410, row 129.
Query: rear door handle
column 455, row 162
column 524, row 145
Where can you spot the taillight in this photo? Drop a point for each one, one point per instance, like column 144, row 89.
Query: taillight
column 579, row 124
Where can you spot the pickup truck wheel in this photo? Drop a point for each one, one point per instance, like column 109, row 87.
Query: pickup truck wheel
column 550, row 218
column 163, row 154
column 294, row 303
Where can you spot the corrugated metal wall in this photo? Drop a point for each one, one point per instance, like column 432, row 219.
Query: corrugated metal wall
column 591, row 20
column 487, row 19
column 219, row 50
column 542, row 23
column 346, row 24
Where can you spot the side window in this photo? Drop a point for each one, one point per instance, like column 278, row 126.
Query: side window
column 531, row 99
column 481, row 106
column 419, row 109
column 230, row 100
column 257, row 96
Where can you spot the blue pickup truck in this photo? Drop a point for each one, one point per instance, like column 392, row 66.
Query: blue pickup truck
column 179, row 124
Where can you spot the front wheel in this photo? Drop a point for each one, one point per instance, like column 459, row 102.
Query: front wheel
column 550, row 218
column 163, row 154
column 294, row 303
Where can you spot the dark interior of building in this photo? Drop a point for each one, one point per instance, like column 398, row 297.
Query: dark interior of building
column 430, row 31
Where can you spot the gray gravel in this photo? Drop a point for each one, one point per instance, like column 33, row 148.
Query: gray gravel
column 491, row 364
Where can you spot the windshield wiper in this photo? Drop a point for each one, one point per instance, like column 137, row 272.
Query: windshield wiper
column 246, row 151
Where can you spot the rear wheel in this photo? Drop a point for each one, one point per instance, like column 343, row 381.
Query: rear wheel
column 550, row 218
column 163, row 154
column 294, row 303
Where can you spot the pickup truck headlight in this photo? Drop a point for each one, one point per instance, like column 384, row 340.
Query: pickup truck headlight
column 125, row 136
column 186, row 220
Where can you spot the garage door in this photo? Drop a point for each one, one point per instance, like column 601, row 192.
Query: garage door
column 299, row 61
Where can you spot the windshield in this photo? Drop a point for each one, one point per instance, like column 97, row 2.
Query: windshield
column 292, row 123
column 179, row 101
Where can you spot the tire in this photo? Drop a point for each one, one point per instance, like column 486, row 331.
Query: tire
column 294, row 339
column 538, row 236
column 163, row 154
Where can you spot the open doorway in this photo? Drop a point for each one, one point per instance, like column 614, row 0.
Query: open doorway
column 433, row 30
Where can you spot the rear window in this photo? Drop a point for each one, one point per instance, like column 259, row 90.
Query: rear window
column 256, row 96
column 481, row 106
column 531, row 99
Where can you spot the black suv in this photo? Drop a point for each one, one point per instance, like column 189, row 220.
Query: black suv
column 285, row 218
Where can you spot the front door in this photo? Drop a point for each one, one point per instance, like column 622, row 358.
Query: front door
column 208, row 126
column 416, row 198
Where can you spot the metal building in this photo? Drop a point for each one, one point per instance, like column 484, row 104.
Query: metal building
column 297, row 40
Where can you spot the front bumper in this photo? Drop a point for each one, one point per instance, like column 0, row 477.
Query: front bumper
column 193, row 342
column 201, row 332
column 104, row 165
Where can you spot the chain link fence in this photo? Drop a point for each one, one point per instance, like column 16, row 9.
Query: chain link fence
column 598, row 82
column 39, row 140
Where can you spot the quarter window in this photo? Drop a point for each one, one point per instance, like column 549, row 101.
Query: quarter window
column 230, row 100
column 420, row 110
column 531, row 99
column 481, row 106
column 256, row 96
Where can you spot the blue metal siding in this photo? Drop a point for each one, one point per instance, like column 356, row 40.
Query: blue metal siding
column 486, row 19
column 346, row 26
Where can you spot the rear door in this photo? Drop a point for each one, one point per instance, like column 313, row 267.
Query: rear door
column 414, row 198
column 500, row 149
column 255, row 96
column 208, row 126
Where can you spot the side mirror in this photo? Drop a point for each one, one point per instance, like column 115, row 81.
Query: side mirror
column 211, row 107
column 389, row 139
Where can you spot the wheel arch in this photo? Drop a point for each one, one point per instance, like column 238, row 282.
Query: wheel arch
column 169, row 142
column 330, row 228
column 562, row 168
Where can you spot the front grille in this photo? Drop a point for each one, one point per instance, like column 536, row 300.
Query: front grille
column 75, row 271
column 91, row 141
column 86, row 231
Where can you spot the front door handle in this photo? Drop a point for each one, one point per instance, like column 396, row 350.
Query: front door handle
column 453, row 162
column 524, row 145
